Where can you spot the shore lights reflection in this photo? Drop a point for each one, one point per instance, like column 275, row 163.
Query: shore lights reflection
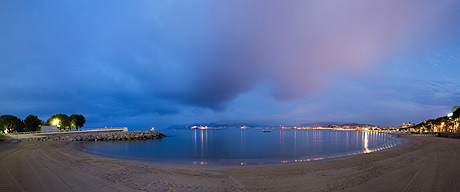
column 307, row 147
column 366, row 142
column 249, row 146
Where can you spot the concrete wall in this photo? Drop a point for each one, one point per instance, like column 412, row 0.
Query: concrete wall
column 49, row 128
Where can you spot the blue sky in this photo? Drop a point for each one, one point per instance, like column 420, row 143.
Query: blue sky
column 147, row 64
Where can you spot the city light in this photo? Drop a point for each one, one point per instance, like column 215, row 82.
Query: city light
column 56, row 122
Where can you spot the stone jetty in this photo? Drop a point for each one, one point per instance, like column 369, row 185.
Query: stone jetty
column 101, row 136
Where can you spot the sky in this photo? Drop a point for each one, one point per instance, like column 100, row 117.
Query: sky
column 144, row 64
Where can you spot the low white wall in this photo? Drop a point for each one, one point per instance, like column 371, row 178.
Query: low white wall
column 49, row 128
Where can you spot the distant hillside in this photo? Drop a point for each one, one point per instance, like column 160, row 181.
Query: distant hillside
column 331, row 124
column 449, row 124
column 237, row 125
column 216, row 125
column 318, row 124
column 359, row 125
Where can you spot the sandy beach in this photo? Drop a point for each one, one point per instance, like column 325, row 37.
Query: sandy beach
column 421, row 164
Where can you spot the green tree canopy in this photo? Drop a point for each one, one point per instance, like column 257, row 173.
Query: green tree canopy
column 440, row 120
column 454, row 108
column 11, row 123
column 32, row 123
column 77, row 121
column 60, row 120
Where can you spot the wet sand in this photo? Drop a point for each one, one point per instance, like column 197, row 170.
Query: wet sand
column 422, row 164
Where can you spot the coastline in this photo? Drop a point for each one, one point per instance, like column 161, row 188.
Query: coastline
column 428, row 163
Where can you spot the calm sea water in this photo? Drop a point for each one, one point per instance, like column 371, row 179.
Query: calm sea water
column 245, row 146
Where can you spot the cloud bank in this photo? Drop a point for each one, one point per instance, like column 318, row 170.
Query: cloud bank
column 158, row 56
column 295, row 46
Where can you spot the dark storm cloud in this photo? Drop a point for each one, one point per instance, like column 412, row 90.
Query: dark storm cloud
column 299, row 46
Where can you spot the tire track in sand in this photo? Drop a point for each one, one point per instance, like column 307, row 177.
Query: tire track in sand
column 15, row 183
column 416, row 174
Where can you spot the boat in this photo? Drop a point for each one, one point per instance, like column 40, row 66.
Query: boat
column 266, row 131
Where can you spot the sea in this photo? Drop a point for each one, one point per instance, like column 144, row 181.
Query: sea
column 246, row 146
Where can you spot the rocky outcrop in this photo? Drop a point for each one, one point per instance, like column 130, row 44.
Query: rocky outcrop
column 101, row 136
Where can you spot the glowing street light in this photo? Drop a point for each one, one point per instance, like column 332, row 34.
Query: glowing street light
column 56, row 122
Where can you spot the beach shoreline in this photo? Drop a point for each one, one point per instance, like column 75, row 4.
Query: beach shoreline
column 78, row 147
column 428, row 163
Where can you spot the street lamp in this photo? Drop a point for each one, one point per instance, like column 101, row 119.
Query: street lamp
column 56, row 122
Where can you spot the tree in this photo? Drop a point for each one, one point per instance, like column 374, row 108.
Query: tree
column 430, row 123
column 77, row 121
column 456, row 113
column 454, row 108
column 60, row 120
column 3, row 126
column 443, row 122
column 32, row 123
column 10, row 123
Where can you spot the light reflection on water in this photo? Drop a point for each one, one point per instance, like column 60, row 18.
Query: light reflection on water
column 246, row 146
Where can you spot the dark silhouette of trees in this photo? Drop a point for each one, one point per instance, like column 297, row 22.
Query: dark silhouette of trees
column 455, row 108
column 11, row 123
column 32, row 123
column 456, row 114
column 77, row 121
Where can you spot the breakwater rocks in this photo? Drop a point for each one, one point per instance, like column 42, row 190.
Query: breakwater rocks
column 101, row 136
